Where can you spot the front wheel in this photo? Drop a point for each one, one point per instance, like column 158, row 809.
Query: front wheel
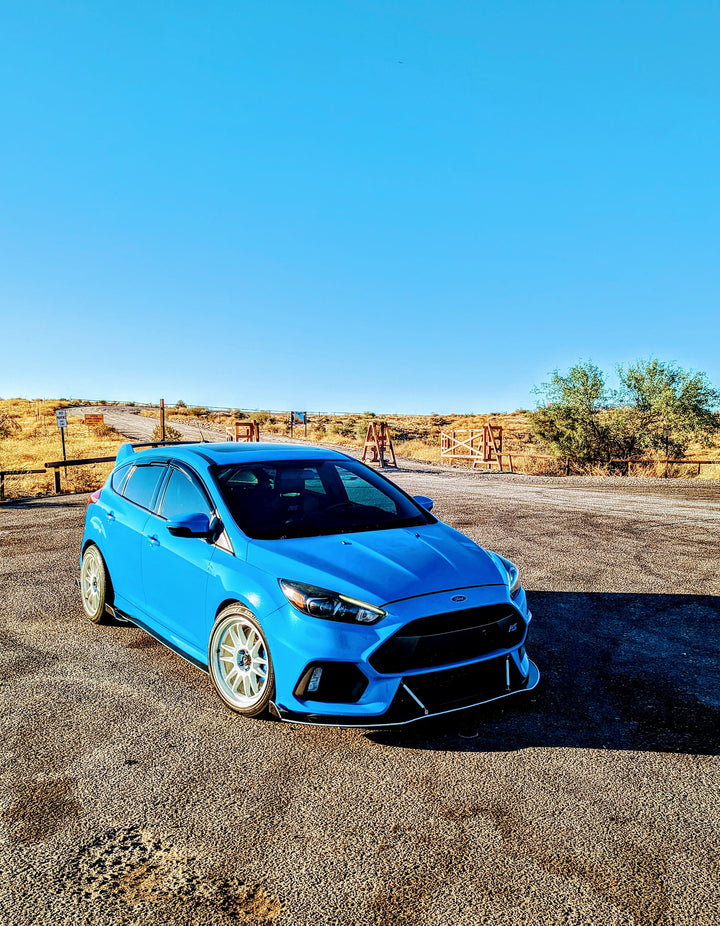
column 239, row 661
column 93, row 584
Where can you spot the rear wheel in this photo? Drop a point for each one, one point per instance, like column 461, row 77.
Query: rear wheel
column 239, row 661
column 93, row 584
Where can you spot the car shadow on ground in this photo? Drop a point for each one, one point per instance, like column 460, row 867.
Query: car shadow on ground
column 618, row 671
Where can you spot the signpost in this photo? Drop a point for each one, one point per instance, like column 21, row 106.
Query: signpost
column 61, row 418
column 298, row 418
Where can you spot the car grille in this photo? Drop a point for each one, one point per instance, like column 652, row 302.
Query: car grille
column 454, row 688
column 442, row 639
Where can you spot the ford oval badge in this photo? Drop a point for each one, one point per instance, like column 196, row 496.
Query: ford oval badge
column 458, row 598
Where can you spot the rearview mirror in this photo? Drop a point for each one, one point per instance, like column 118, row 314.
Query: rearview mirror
column 424, row 502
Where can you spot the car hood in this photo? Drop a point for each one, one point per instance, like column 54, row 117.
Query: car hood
column 383, row 566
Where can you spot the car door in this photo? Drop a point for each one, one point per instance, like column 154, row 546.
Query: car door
column 175, row 569
column 127, row 509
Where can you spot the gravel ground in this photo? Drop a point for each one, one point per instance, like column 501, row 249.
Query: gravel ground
column 129, row 796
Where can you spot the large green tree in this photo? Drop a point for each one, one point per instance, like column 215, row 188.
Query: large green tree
column 666, row 407
column 573, row 419
column 659, row 407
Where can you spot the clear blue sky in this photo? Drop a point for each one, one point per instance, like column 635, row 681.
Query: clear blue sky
column 406, row 206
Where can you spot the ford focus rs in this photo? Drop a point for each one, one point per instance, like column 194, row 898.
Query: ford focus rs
column 307, row 585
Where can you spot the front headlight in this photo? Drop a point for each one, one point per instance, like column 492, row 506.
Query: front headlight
column 513, row 577
column 512, row 572
column 319, row 602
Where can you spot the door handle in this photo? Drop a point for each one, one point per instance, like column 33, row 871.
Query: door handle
column 154, row 542
column 110, row 515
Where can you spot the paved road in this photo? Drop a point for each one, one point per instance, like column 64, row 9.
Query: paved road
column 130, row 796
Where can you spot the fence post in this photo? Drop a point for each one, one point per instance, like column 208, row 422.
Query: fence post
column 162, row 419
column 56, row 474
column 2, row 486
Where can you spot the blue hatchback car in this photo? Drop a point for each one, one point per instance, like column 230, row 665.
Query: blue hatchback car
column 306, row 584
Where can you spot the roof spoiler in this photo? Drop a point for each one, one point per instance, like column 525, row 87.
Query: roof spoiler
column 124, row 453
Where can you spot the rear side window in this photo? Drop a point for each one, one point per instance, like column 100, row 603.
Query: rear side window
column 183, row 495
column 119, row 477
column 140, row 487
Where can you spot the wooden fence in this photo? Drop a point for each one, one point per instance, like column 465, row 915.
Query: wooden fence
column 478, row 445
column 484, row 446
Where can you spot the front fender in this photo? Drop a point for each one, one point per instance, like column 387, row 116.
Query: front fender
column 231, row 578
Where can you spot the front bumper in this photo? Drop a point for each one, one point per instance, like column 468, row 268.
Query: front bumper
column 432, row 694
column 430, row 656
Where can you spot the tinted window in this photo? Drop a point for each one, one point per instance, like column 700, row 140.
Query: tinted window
column 298, row 499
column 361, row 492
column 140, row 487
column 183, row 495
column 119, row 477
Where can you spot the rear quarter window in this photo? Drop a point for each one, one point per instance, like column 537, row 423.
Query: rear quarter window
column 117, row 481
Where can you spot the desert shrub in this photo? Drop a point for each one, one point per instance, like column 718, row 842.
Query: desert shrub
column 238, row 415
column 198, row 411
column 171, row 433
column 180, row 404
column 105, row 430
column 344, row 427
column 8, row 425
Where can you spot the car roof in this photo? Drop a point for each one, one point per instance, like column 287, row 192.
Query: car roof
column 222, row 454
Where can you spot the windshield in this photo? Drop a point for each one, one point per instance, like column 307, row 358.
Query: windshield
column 292, row 498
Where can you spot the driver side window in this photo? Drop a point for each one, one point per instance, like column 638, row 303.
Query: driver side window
column 183, row 495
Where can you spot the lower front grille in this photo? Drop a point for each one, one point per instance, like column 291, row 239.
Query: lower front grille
column 454, row 688
column 446, row 638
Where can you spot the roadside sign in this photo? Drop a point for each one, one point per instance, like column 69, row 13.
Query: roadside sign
column 95, row 419
column 61, row 416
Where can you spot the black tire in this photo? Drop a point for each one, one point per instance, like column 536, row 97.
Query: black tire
column 239, row 662
column 94, row 585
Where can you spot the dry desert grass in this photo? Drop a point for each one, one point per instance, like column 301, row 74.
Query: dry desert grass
column 30, row 437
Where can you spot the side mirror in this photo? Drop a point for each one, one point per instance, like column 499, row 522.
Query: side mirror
column 424, row 502
column 189, row 525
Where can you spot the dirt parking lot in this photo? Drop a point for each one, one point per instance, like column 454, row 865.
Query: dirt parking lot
column 129, row 796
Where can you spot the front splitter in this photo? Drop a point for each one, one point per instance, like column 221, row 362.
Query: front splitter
column 415, row 708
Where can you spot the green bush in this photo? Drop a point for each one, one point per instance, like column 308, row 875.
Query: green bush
column 659, row 407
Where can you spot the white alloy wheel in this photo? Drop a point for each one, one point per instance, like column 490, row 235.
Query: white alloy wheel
column 93, row 584
column 239, row 661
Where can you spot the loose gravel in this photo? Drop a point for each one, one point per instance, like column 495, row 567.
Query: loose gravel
column 130, row 796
